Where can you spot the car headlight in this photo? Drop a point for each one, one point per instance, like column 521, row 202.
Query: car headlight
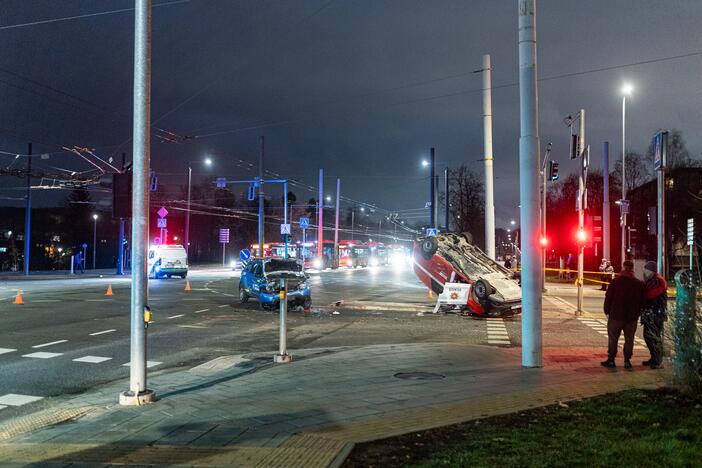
column 302, row 286
column 272, row 286
column 374, row 261
column 232, row 264
column 317, row 263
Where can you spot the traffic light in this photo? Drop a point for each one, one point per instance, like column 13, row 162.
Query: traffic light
column 574, row 147
column 581, row 236
column 543, row 241
column 553, row 170
column 122, row 195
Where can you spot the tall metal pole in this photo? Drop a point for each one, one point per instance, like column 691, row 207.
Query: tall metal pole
column 353, row 215
column 283, row 356
column 28, row 214
column 336, row 224
column 94, row 240
column 621, row 207
column 120, row 249
column 261, row 214
column 432, row 205
column 606, row 226
column 320, row 223
column 544, row 194
column 285, row 213
column 581, row 213
column 446, row 192
column 487, row 143
column 435, row 201
column 528, row 179
column 187, row 212
column 138, row 392
column 660, row 214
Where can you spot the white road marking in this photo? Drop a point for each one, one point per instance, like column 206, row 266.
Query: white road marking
column 223, row 306
column 36, row 301
column 103, row 332
column 600, row 326
column 194, row 299
column 497, row 332
column 49, row 344
column 92, row 359
column 6, row 350
column 201, row 311
column 149, row 364
column 42, row 355
column 13, row 399
column 97, row 300
column 176, row 316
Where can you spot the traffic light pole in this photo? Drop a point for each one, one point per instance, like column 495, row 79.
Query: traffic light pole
column 581, row 213
column 28, row 215
column 544, row 193
column 261, row 211
column 320, row 221
column 606, row 226
column 336, row 225
column 138, row 392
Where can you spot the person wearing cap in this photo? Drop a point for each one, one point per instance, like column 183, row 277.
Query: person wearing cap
column 654, row 313
column 622, row 306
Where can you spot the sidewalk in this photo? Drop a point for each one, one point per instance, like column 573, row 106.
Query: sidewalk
column 246, row 411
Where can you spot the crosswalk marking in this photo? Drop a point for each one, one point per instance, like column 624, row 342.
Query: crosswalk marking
column 600, row 326
column 149, row 364
column 42, row 355
column 14, row 399
column 6, row 350
column 44, row 345
column 497, row 332
column 92, row 359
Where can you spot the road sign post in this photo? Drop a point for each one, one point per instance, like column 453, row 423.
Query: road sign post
column 283, row 357
column 690, row 237
column 224, row 240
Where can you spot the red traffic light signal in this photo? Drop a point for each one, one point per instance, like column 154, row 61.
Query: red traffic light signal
column 543, row 241
column 581, row 236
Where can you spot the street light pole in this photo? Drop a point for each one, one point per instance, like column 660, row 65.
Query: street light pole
column 528, row 179
column 581, row 212
column 432, row 205
column 95, row 217
column 261, row 200
column 187, row 213
column 138, row 392
column 28, row 216
column 336, row 225
column 605, row 204
column 487, row 142
column 622, row 205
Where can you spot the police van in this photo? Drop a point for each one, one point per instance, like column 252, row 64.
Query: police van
column 165, row 261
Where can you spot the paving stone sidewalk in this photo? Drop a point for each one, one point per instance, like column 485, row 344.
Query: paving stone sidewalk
column 245, row 411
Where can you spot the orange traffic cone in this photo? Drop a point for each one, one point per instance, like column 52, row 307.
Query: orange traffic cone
column 109, row 291
column 430, row 294
column 18, row 299
column 187, row 285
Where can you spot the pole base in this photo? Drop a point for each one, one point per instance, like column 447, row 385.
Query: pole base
column 129, row 398
column 578, row 313
column 282, row 358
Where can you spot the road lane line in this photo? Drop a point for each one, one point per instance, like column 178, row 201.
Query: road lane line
column 201, row 311
column 223, row 306
column 42, row 355
column 36, row 301
column 49, row 344
column 176, row 316
column 14, row 399
column 92, row 359
column 6, row 350
column 103, row 332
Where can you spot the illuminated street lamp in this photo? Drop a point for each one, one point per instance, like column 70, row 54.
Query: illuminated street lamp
column 207, row 162
column 95, row 218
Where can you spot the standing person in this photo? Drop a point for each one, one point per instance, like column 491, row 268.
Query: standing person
column 654, row 313
column 508, row 262
column 622, row 306
column 603, row 276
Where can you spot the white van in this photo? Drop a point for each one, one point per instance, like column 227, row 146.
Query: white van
column 167, row 261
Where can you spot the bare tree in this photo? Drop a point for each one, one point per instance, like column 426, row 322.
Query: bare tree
column 467, row 203
column 638, row 171
column 678, row 156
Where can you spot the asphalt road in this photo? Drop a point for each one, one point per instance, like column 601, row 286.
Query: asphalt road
column 69, row 337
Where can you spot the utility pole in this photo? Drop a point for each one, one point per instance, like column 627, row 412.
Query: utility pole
column 353, row 215
column 446, row 191
column 432, row 205
column 28, row 215
column 140, row 313
column 261, row 214
column 95, row 218
column 187, row 212
column 285, row 214
column 320, row 224
column 120, row 246
column 435, row 201
column 336, row 225
column 532, row 339
column 605, row 204
column 623, row 207
column 487, row 144
column 581, row 211
column 661, row 161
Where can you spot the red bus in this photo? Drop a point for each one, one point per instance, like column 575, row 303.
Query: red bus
column 353, row 254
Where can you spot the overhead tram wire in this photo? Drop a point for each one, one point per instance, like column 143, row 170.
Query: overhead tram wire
column 457, row 93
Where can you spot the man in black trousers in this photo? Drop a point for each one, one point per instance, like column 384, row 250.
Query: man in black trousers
column 622, row 306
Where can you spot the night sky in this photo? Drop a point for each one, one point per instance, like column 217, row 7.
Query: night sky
column 362, row 88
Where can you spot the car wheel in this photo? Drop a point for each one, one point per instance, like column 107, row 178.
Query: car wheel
column 429, row 247
column 468, row 237
column 184, row 275
column 168, row 276
column 482, row 290
column 243, row 297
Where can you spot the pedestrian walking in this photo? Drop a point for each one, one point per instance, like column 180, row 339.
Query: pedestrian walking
column 622, row 306
column 654, row 313
column 569, row 265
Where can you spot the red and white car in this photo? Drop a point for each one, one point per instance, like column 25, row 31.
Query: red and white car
column 452, row 258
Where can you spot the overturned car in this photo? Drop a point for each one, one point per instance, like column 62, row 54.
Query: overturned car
column 452, row 258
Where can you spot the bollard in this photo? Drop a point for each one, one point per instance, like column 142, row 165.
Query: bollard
column 686, row 364
column 283, row 356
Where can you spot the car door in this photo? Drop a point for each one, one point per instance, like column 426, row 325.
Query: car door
column 256, row 277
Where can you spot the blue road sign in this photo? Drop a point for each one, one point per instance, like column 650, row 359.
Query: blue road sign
column 304, row 223
column 244, row 254
column 432, row 231
column 85, row 246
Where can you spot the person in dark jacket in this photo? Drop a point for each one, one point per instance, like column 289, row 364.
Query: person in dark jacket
column 654, row 313
column 622, row 306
